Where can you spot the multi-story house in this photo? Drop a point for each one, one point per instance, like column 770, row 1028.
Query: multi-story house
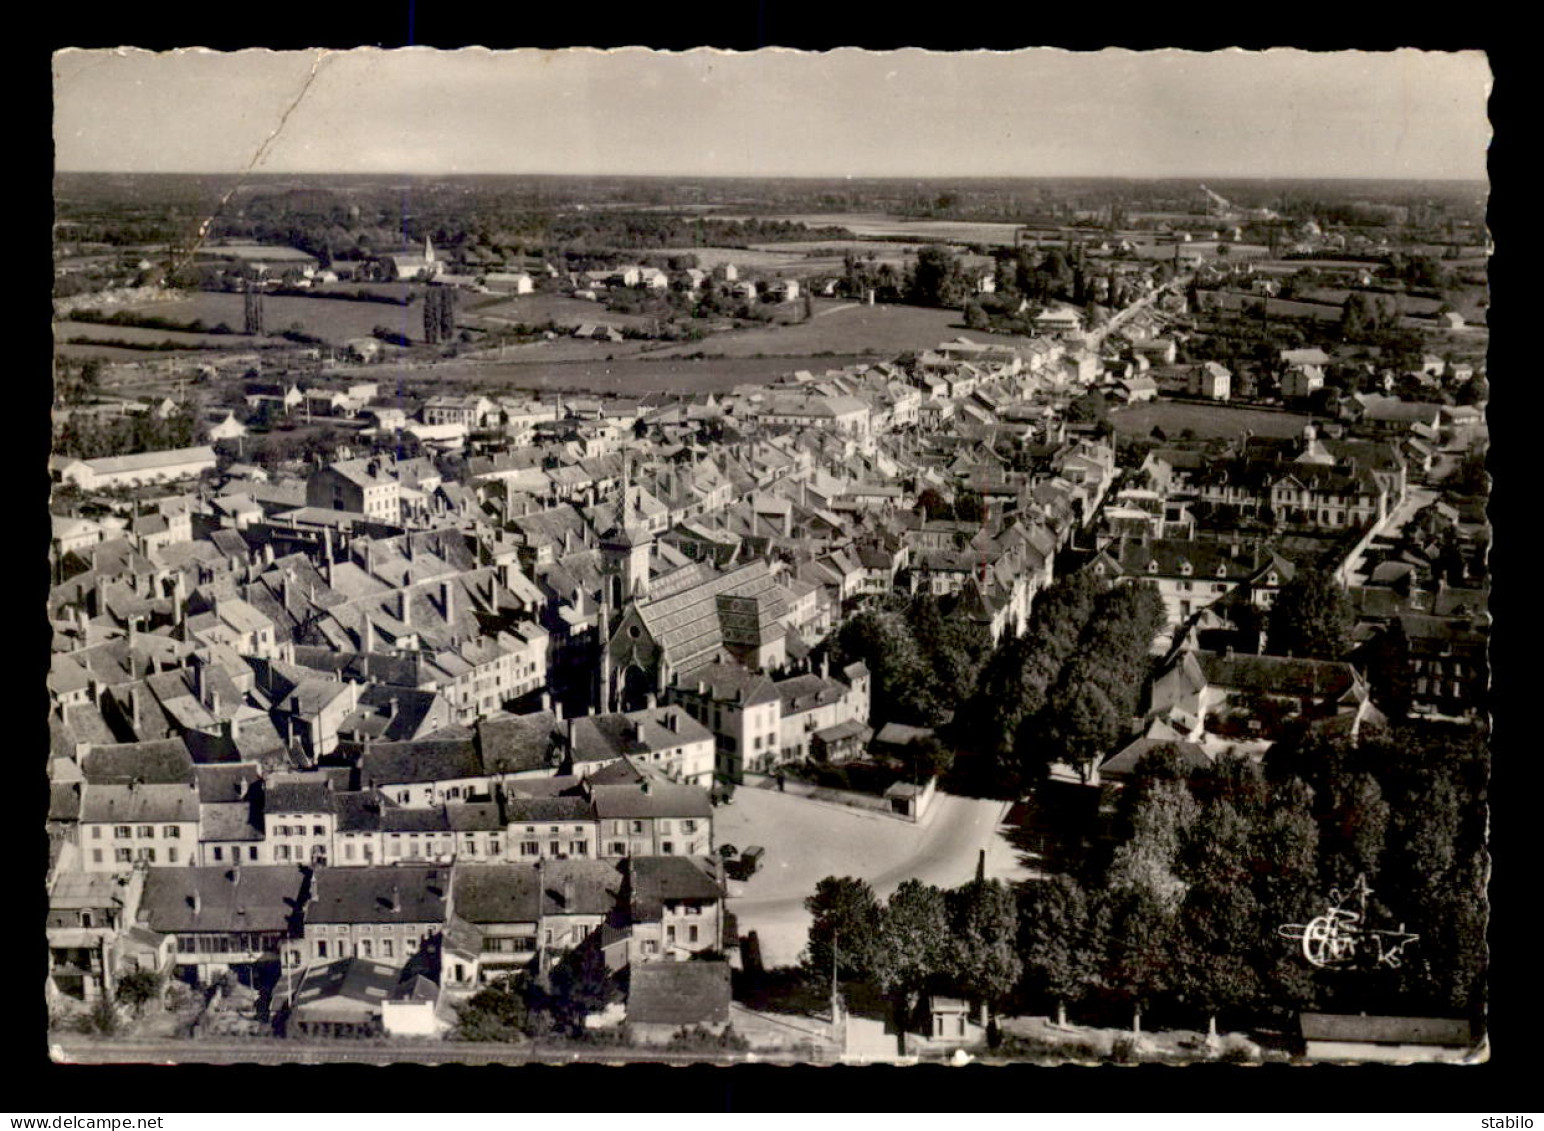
column 150, row 825
column 299, row 822
column 495, row 925
column 238, row 919
column 471, row 411
column 1209, row 380
column 387, row 913
column 812, row 703
column 743, row 710
column 675, row 906
column 665, row 739
column 357, row 486
column 230, row 815
column 652, row 818
column 550, row 828
column 1192, row 576
column 426, row 773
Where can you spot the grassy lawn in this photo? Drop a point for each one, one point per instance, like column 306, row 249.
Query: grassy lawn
column 1206, row 421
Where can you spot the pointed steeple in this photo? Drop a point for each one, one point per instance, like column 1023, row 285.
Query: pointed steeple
column 428, row 251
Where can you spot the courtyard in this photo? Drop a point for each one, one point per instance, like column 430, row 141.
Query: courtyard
column 807, row 840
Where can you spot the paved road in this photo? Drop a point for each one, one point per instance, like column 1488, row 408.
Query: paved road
column 1416, row 499
column 279, row 1051
column 808, row 840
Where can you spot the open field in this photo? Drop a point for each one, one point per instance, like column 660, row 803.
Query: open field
column 1206, row 421
column 625, row 376
column 106, row 333
column 880, row 225
column 845, row 328
column 333, row 320
column 534, row 309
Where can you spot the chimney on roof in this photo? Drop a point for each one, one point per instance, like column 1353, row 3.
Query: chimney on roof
column 671, row 722
column 568, row 893
column 196, row 901
column 394, row 900
column 404, row 606
column 214, row 703
column 447, row 601
column 134, row 707
column 651, row 701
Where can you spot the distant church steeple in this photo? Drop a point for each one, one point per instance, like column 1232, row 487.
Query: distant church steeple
column 428, row 251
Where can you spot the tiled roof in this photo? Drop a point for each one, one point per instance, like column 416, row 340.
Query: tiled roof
column 399, row 893
column 679, row 994
column 514, row 744
column 249, row 898
column 597, row 738
column 162, row 762
column 128, row 805
column 426, row 760
column 650, row 798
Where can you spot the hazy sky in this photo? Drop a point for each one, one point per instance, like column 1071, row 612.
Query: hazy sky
column 1045, row 112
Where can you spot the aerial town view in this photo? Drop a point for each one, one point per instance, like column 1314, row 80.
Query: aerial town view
column 737, row 558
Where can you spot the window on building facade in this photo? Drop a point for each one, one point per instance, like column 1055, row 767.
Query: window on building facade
column 121, row 855
column 171, row 832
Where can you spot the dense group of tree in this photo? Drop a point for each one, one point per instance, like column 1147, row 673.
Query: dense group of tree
column 1181, row 913
column 439, row 315
column 94, row 437
column 922, row 660
column 1311, row 618
column 521, row 1006
column 923, row 938
column 1066, row 690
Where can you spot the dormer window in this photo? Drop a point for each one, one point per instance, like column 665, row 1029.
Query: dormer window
column 1152, row 567
column 1271, row 579
column 1184, row 569
column 1222, row 571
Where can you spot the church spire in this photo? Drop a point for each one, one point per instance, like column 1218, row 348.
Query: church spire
column 629, row 518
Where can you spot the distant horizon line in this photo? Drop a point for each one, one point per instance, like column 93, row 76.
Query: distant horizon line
column 781, row 176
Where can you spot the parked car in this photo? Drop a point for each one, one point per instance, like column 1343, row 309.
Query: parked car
column 748, row 864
